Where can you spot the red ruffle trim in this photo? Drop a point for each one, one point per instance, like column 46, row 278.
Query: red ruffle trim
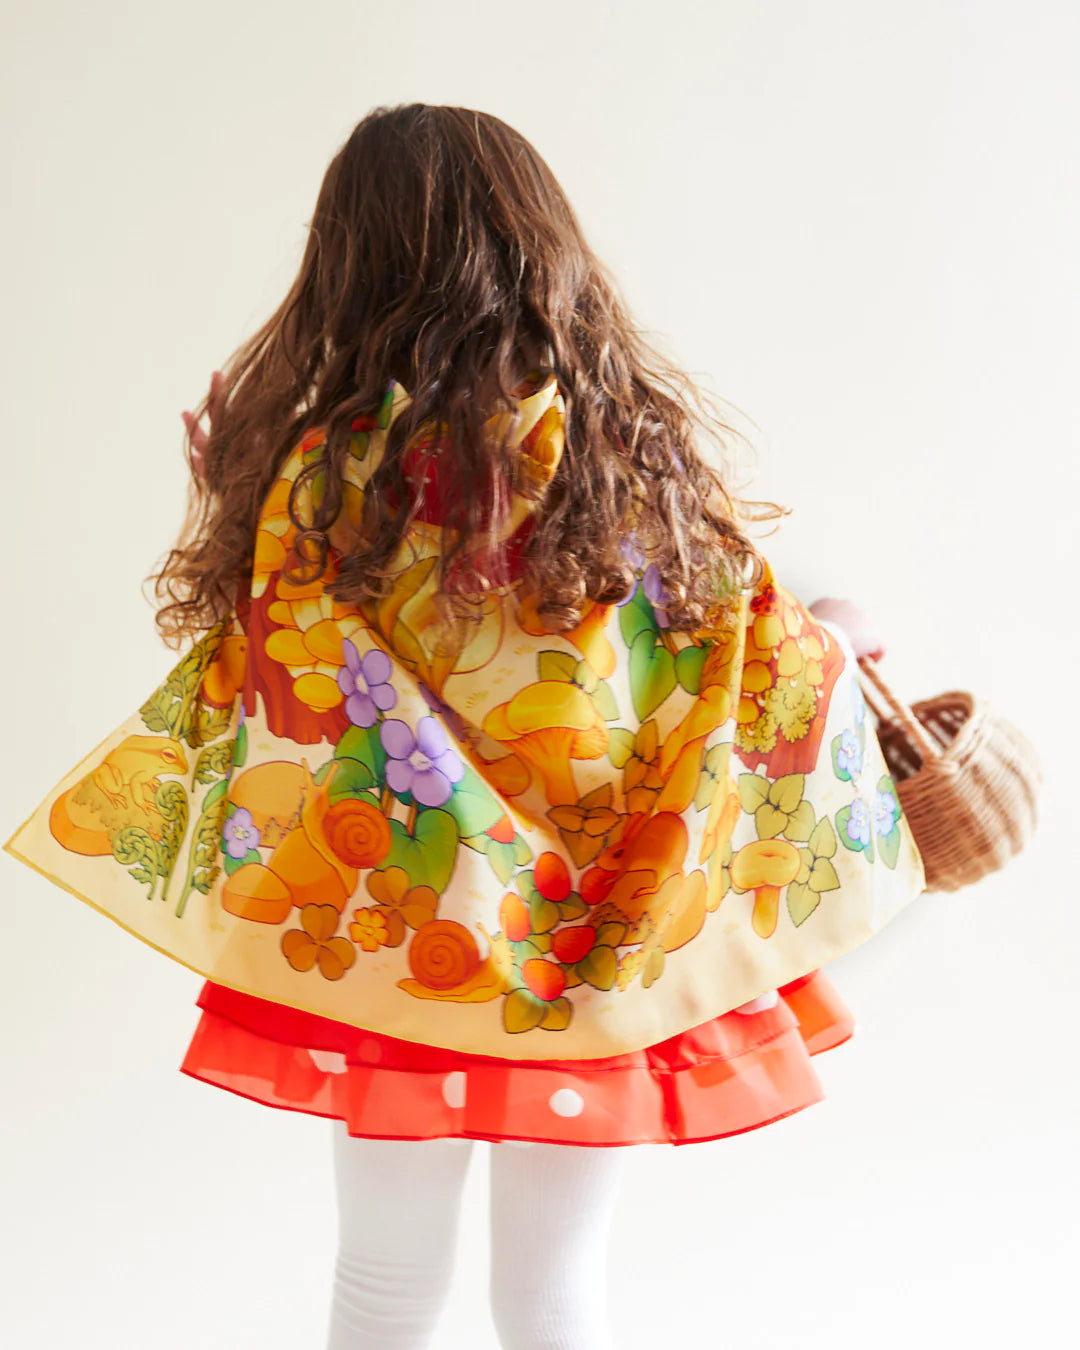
column 730, row 1074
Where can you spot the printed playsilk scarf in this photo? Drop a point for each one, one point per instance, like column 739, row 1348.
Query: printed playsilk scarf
column 527, row 845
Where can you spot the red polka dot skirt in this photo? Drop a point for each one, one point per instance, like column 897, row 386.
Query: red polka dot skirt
column 736, row 1072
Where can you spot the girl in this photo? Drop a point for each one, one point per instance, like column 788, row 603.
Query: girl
column 505, row 793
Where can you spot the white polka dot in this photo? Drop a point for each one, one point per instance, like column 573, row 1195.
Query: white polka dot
column 759, row 1004
column 453, row 1088
column 519, row 1143
column 330, row 1061
column 567, row 1102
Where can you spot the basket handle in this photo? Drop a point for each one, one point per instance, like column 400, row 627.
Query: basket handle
column 907, row 719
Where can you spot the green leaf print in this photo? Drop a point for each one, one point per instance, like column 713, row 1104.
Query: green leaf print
column 148, row 859
column 502, row 857
column 753, row 790
column 522, row 1011
column 363, row 744
column 473, row 805
column 800, row 822
column 620, row 746
column 688, row 666
column 889, row 844
column 769, row 821
column 553, row 665
column 240, row 746
column 604, row 700
column 801, row 902
column 351, row 777
column 599, row 967
column 214, row 762
column 205, row 856
column 176, row 710
column 652, row 674
column 558, row 1015
column 822, row 842
column 427, row 855
column 545, row 914
column 786, row 792
column 636, row 617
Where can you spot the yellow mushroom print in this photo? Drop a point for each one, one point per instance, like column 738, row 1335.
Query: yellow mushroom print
column 499, row 837
column 765, row 866
column 548, row 725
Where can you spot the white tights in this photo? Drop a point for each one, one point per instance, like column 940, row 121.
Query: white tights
column 398, row 1208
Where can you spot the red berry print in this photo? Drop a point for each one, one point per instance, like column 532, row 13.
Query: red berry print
column 514, row 917
column 551, row 878
column 543, row 978
column 571, row 944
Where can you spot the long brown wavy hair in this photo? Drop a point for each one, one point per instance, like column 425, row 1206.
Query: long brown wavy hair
column 441, row 249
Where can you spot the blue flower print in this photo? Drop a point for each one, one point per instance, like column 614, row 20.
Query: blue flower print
column 424, row 764
column 858, row 825
column 849, row 756
column 365, row 680
column 885, row 812
column 240, row 833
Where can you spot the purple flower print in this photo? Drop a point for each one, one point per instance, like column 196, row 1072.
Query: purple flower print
column 849, row 752
column 858, row 826
column 241, row 834
column 655, row 594
column 884, row 812
column 628, row 547
column 365, row 680
column 453, row 720
column 424, row 764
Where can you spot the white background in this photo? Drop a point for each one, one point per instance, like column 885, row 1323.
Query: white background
column 858, row 222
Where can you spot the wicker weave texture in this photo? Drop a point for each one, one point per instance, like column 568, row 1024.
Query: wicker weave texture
column 967, row 778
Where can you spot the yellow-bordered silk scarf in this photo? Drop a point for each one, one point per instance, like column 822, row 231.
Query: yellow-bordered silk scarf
column 526, row 845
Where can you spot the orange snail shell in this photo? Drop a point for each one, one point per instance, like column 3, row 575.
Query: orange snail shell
column 443, row 954
column 357, row 832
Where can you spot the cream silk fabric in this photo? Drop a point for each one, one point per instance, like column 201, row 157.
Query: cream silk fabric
column 526, row 845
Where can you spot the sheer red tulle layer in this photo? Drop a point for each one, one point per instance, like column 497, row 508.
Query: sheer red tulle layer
column 733, row 1073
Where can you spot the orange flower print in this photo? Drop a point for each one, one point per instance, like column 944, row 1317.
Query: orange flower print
column 369, row 929
column 313, row 943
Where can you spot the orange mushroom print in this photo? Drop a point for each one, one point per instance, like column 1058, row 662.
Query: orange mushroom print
column 500, row 840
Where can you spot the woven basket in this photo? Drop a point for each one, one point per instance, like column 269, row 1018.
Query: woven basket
column 967, row 779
